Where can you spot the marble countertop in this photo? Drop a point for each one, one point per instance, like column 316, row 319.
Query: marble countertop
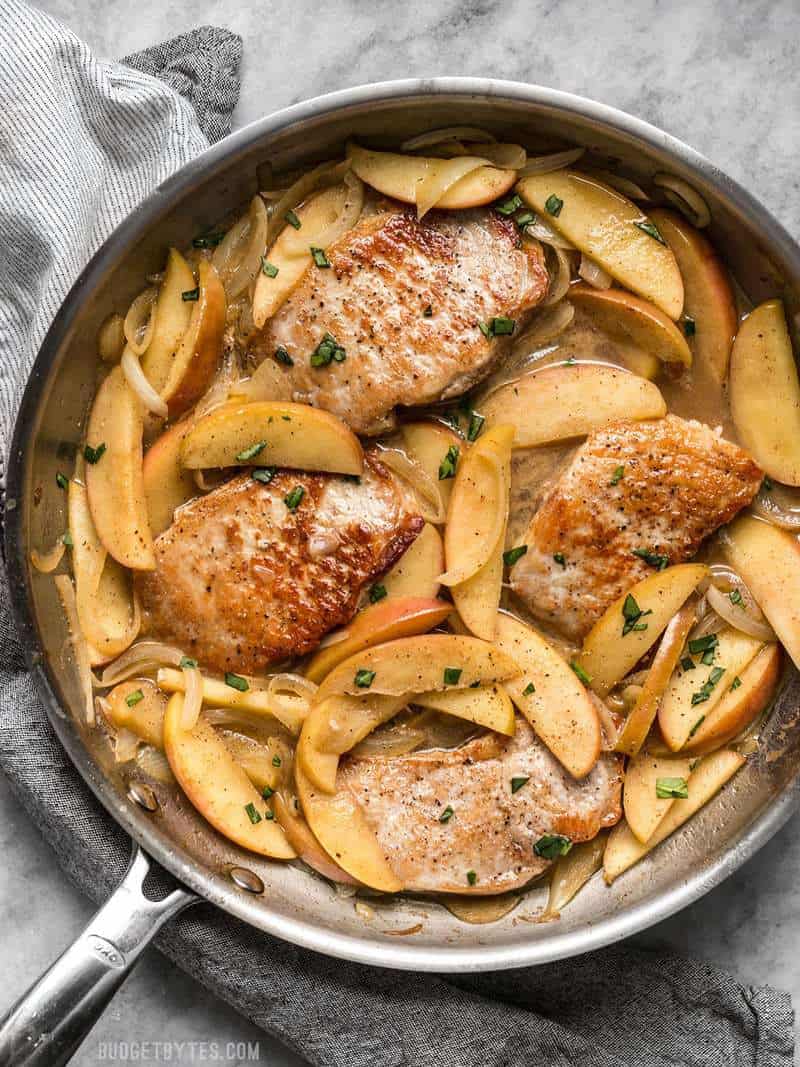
column 720, row 75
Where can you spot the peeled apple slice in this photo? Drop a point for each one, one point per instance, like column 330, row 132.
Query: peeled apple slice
column 171, row 320
column 417, row 571
column 644, row 808
column 488, row 706
column 630, row 318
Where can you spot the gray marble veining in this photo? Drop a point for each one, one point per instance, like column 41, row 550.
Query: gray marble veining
column 721, row 76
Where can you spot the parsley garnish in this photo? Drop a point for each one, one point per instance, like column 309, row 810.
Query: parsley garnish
column 364, row 678
column 706, row 689
column 499, row 326
column 252, row 814
column 688, row 663
column 735, row 597
column 447, row 468
column 376, row 593
column 508, row 207
column 264, row 474
column 276, row 761
column 677, row 788
column 689, row 326
column 66, row 540
column 235, row 681
column 92, row 455
column 513, row 554
column 251, row 451
column 207, row 240
column 132, row 699
column 703, row 644
column 580, row 672
column 266, row 792
column 472, row 877
column 268, row 268
column 282, row 356
column 190, row 295
column 293, row 220
column 650, row 228
column 187, row 661
column 560, row 559
column 476, row 422
column 617, row 476
column 292, row 500
column 697, row 726
column 319, row 257
column 518, row 783
column 551, row 846
column 328, row 349
column 737, row 681
column 452, row 675
column 447, row 814
column 652, row 559
column 61, row 481
column 553, row 205
column 632, row 614
column 529, row 689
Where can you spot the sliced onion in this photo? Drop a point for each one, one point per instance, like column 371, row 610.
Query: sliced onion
column 687, row 200
column 545, row 233
column 155, row 765
column 246, row 722
column 448, row 133
column 192, row 697
column 238, row 257
column 594, row 274
column 111, row 338
column 46, row 562
column 226, row 382
column 431, row 507
column 738, row 616
column 779, row 505
column 544, row 328
column 560, row 275
column 136, row 379
column 441, row 175
column 125, row 744
column 396, row 740
column 290, row 696
column 140, row 321
column 571, row 872
column 350, row 213
column 710, row 623
column 507, row 156
column 140, row 658
column 621, row 184
column 320, row 177
column 554, row 161
column 80, row 648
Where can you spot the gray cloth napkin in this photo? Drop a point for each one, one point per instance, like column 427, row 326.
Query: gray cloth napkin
column 81, row 142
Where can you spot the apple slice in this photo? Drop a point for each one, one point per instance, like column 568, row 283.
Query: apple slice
column 428, row 443
column 765, row 392
column 611, row 230
column 167, row 484
column 290, row 256
column 299, row 835
column 644, row 808
column 258, row 759
column 389, row 618
column 692, row 695
column 143, row 717
column 642, row 717
column 709, row 302
column 712, row 772
column 569, row 400
column 274, row 433
column 114, row 475
column 418, row 665
column 608, row 654
column 768, row 560
column 339, row 824
column 626, row 317
column 172, row 314
column 550, row 696
column 740, row 706
column 463, row 182
column 417, row 571
column 488, row 706
column 254, row 701
column 478, row 509
column 199, row 353
column 218, row 787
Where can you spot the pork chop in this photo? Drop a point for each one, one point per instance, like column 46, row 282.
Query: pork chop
column 403, row 299
column 242, row 579
column 492, row 831
column 653, row 488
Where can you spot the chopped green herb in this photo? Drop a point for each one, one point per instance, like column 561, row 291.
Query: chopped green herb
column 132, row 699
column 264, row 474
column 697, row 726
column 551, row 846
column 705, row 691
column 650, row 228
column 252, row 814
column 292, row 499
column 319, row 257
column 735, row 597
column 286, row 418
column 427, row 311
column 282, row 356
column 617, row 476
column 207, row 240
column 376, row 593
column 677, row 788
column 484, row 328
column 525, row 218
column 652, row 559
column 447, row 468
column 476, row 422
column 266, row 792
column 737, row 681
column 580, row 672
column 190, row 295
column 61, row 481
column 708, row 657
column 560, row 559
column 187, row 661
column 570, row 362
column 92, row 455
column 513, row 554
column 529, row 690
column 499, row 326
column 269, row 815
column 508, row 207
column 268, row 268
column 689, row 326
column 553, row 205
column 703, row 644
column 518, row 783
column 276, row 761
column 688, row 663
column 447, row 814
column 452, row 675
column 328, row 349
column 767, row 484
column 633, row 615
column 67, row 540
column 364, row 678
column 293, row 220
column 251, row 451
column 472, row 877
column 235, row 681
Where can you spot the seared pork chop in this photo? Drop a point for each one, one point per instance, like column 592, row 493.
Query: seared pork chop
column 243, row 579
column 656, row 487
column 403, row 298
column 492, row 831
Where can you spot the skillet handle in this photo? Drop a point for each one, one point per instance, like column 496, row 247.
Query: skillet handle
column 50, row 1020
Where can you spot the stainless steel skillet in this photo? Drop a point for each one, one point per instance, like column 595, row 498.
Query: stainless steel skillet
column 47, row 1026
